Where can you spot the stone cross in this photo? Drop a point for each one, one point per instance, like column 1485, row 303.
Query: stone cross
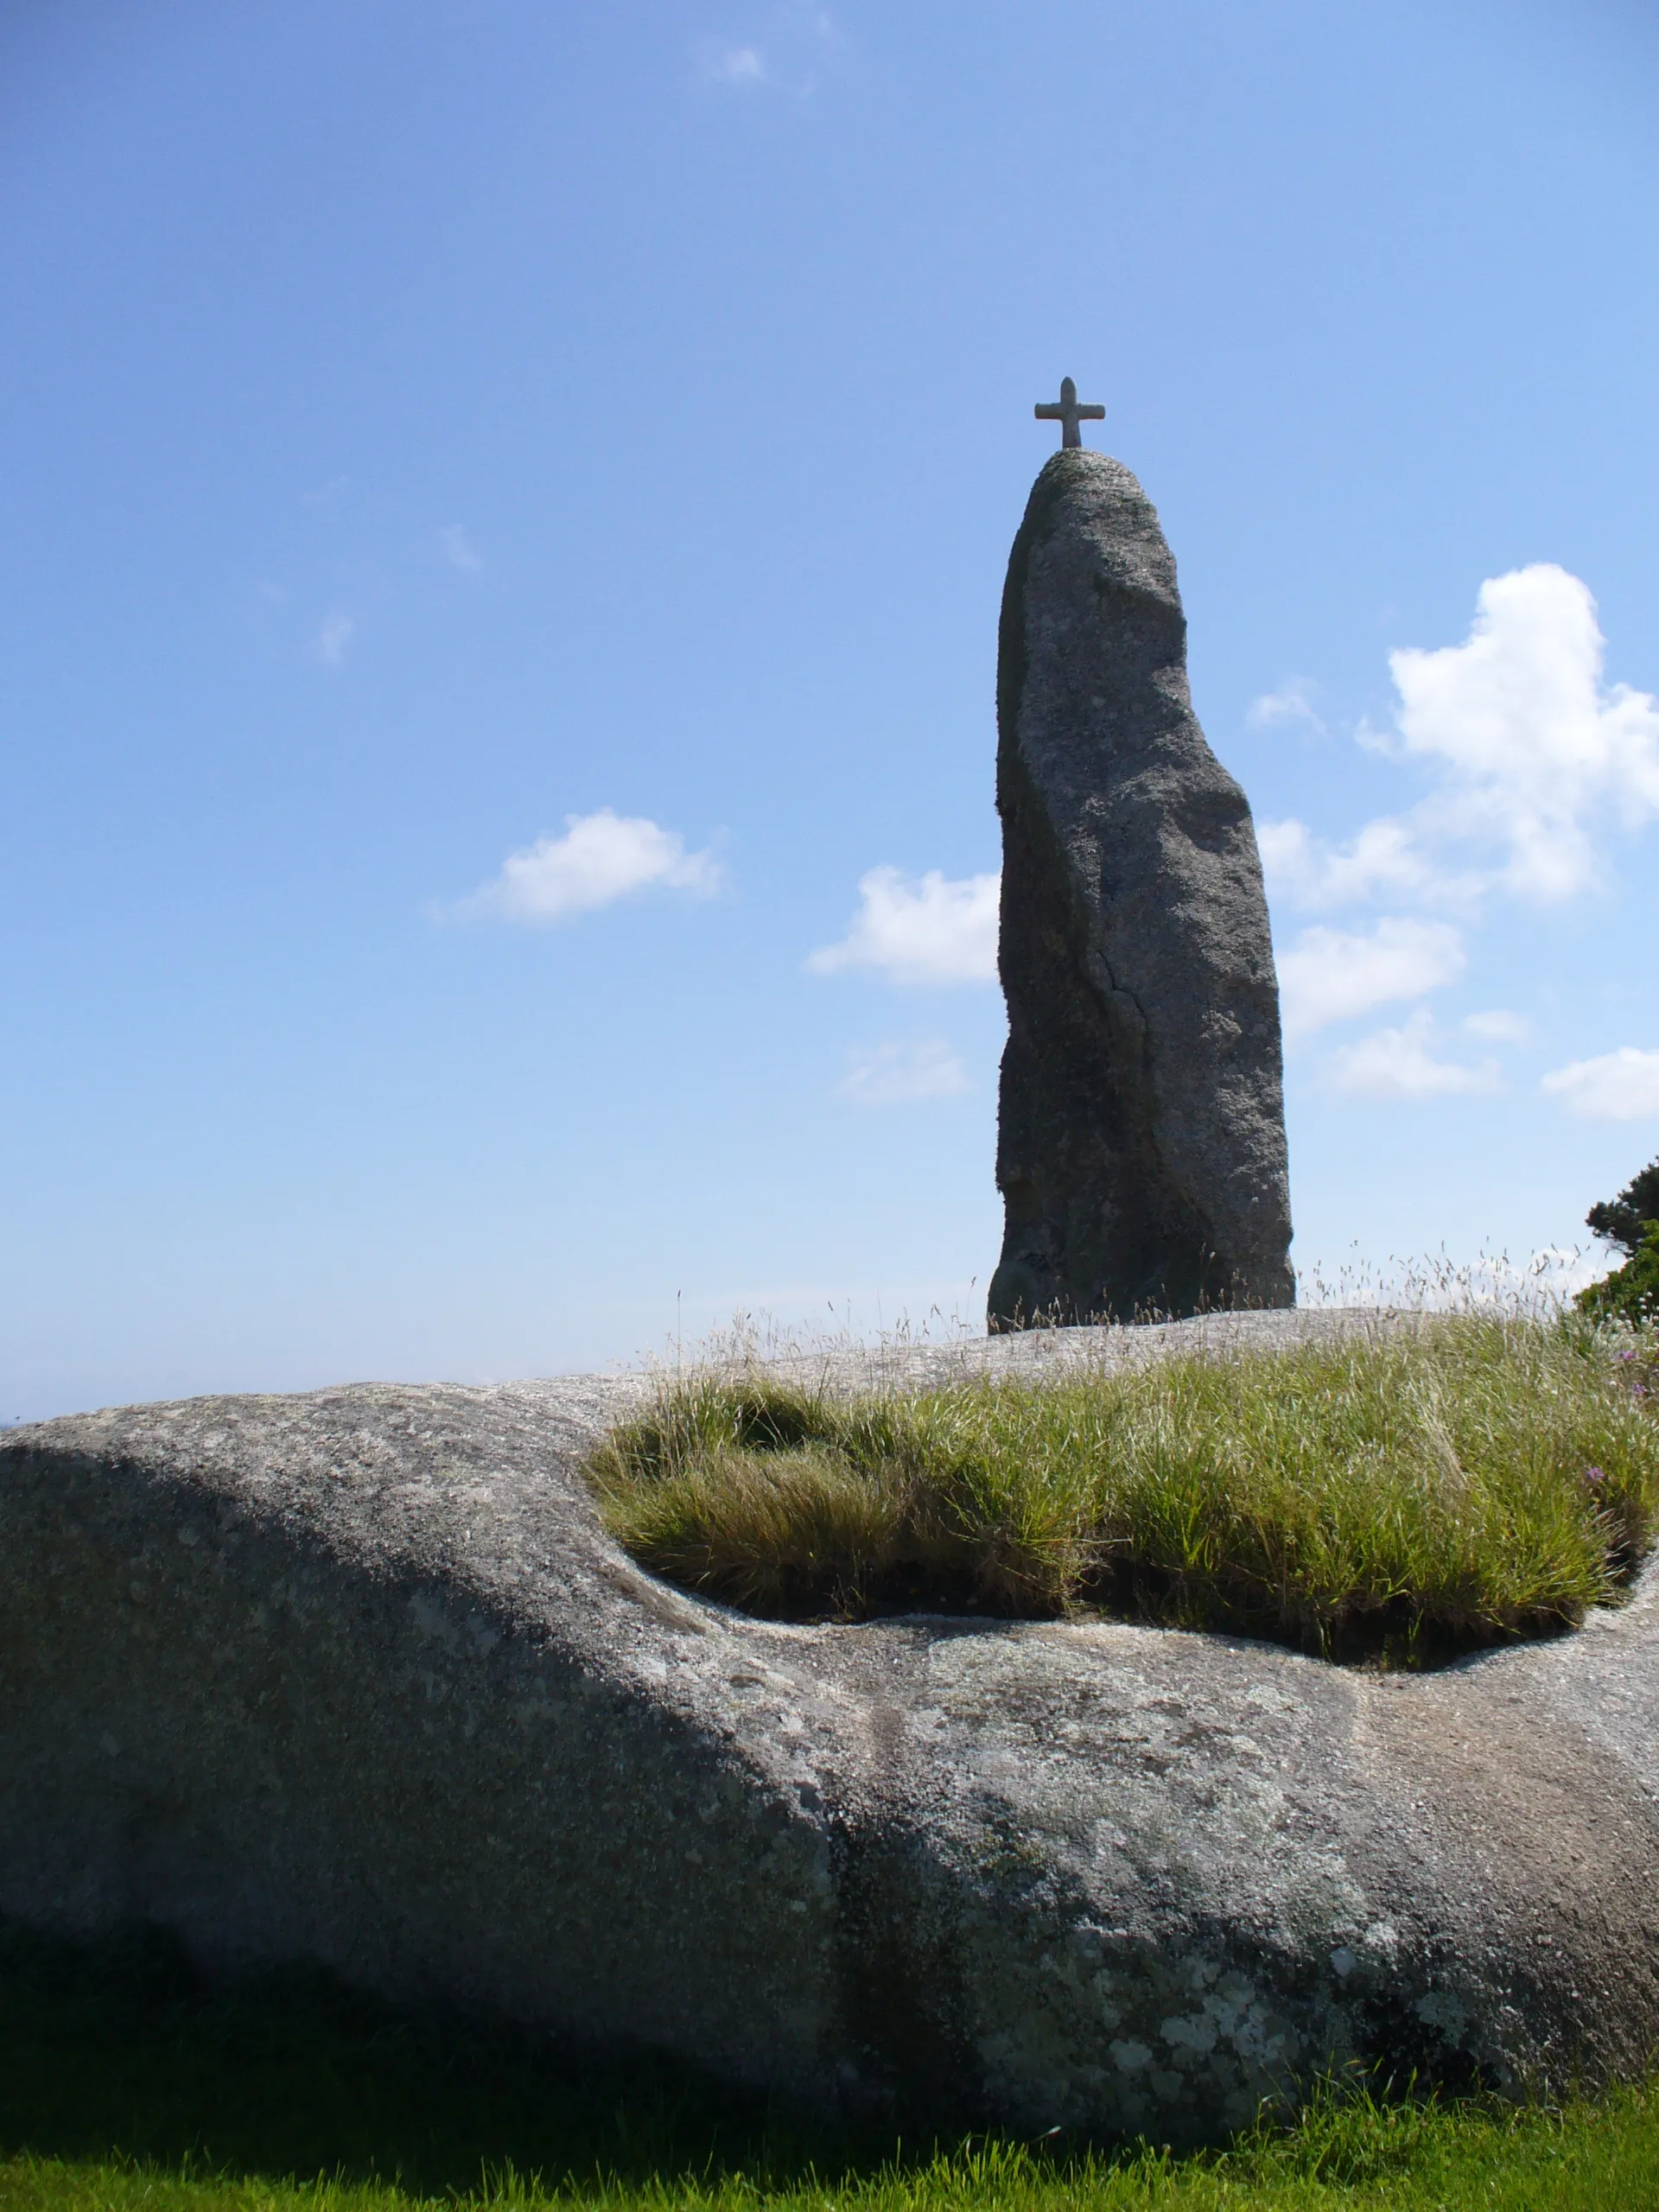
column 1068, row 412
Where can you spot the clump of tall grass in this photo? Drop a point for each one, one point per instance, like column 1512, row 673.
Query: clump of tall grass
column 1462, row 1480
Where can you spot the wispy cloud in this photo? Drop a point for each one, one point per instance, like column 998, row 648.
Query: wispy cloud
column 786, row 50
column 1621, row 1086
column 931, row 930
column 459, row 551
column 334, row 639
column 1498, row 1026
column 902, row 1073
column 599, row 859
column 1385, row 861
column 1291, row 702
column 1330, row 974
column 1399, row 1064
column 735, row 65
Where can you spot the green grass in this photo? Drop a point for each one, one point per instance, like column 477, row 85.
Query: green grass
column 122, row 2086
column 1467, row 1479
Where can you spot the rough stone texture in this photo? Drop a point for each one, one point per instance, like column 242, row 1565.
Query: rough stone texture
column 355, row 1677
column 1141, row 1145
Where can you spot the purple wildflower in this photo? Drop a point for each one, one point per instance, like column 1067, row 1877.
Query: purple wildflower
column 1592, row 1479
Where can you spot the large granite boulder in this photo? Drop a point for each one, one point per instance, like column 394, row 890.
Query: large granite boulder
column 357, row 1678
column 1141, row 1143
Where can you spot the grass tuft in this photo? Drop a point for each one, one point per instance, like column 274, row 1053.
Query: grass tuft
column 1410, row 1492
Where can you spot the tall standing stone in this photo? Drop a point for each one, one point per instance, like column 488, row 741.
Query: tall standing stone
column 1140, row 1150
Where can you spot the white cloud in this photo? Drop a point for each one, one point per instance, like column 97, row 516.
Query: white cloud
column 1398, row 1064
column 1333, row 975
column 934, row 931
column 334, row 639
column 459, row 551
column 1497, row 1027
column 602, row 857
column 1535, row 750
column 1560, row 1271
column 1291, row 702
column 1621, row 1086
column 900, row 1073
column 1383, row 861
column 1531, row 754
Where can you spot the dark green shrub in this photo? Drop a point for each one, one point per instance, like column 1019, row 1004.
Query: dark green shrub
column 1630, row 1293
column 1626, row 1220
column 1630, row 1221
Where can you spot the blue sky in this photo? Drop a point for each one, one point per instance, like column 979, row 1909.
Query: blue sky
column 504, row 511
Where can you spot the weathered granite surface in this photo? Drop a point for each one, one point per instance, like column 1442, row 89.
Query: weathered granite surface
column 355, row 1677
column 1141, row 1141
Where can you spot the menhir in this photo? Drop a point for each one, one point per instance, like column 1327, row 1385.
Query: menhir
column 1141, row 1149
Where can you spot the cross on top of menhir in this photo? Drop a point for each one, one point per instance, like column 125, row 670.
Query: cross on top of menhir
column 1068, row 411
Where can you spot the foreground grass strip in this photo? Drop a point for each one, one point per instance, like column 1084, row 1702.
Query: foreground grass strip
column 1355, row 2153
column 1471, row 1478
